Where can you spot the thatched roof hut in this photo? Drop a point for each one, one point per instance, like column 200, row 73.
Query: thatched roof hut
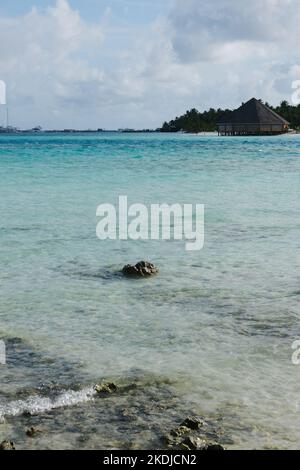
column 252, row 118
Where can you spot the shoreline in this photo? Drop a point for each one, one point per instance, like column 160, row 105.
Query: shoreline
column 142, row 414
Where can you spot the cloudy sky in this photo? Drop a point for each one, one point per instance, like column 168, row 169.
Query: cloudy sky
column 136, row 63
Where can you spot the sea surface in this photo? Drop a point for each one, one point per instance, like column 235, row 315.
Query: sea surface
column 211, row 335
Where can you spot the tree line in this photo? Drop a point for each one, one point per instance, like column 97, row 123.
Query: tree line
column 194, row 121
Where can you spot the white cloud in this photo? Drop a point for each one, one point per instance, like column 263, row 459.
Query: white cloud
column 202, row 30
column 245, row 40
column 57, row 73
column 45, row 59
column 62, row 71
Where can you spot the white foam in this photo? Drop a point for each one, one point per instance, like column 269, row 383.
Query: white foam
column 36, row 404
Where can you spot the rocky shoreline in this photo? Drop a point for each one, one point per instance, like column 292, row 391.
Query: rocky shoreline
column 136, row 412
column 144, row 414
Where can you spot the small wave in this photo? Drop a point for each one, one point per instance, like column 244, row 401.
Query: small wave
column 36, row 404
column 28, row 228
column 295, row 293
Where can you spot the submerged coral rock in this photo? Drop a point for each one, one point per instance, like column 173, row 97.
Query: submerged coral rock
column 32, row 432
column 194, row 443
column 7, row 445
column 193, row 422
column 141, row 269
column 180, row 431
column 215, row 447
column 105, row 388
column 194, row 433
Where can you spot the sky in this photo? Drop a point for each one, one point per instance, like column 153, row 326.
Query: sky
column 136, row 63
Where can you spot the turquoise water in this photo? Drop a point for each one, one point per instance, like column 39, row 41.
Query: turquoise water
column 219, row 323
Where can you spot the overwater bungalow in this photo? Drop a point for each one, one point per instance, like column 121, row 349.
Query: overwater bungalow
column 252, row 118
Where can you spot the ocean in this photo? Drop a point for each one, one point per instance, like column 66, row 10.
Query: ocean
column 211, row 335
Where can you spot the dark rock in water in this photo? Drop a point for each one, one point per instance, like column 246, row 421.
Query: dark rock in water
column 193, row 422
column 180, row 431
column 174, row 435
column 141, row 269
column 194, row 443
column 105, row 388
column 215, row 447
column 193, row 434
column 127, row 415
column 32, row 432
column 7, row 445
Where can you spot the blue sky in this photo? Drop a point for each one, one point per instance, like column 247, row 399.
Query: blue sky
column 136, row 63
column 135, row 12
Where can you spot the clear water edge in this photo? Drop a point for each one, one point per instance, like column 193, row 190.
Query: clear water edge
column 220, row 322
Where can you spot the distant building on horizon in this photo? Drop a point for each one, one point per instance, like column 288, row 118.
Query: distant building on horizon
column 252, row 118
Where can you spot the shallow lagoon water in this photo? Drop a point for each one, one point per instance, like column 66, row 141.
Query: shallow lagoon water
column 217, row 324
